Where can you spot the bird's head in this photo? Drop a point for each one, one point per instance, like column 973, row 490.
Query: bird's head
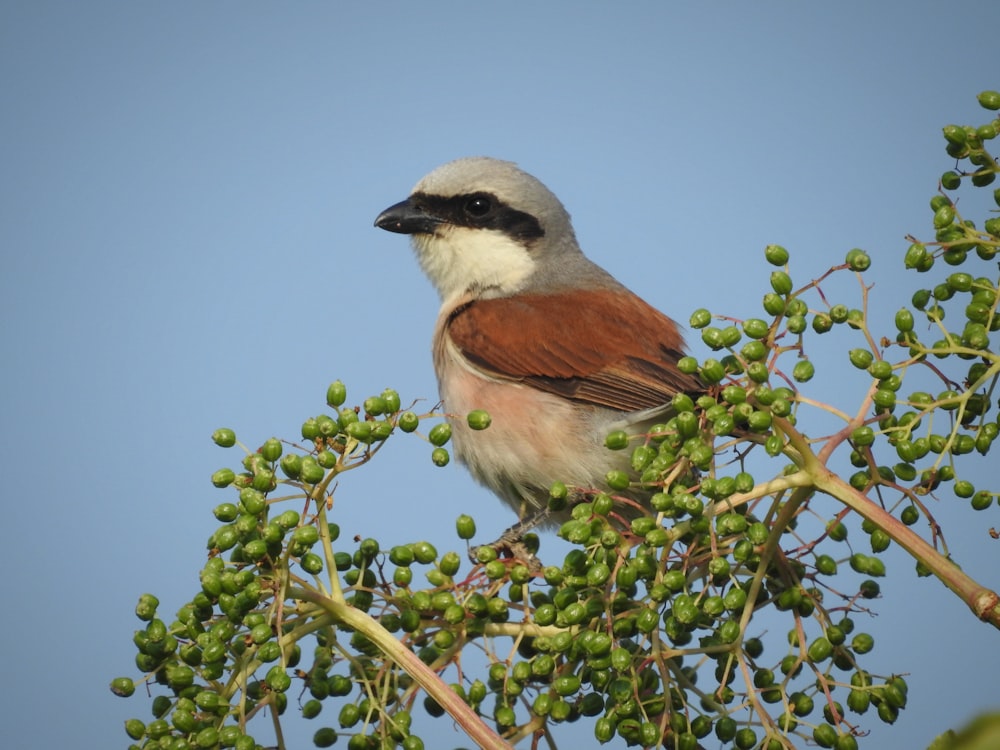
column 483, row 228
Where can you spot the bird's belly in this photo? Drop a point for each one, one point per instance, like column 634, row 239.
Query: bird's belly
column 535, row 438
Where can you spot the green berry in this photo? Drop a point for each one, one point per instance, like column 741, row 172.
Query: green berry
column 781, row 282
column 223, row 477
column 982, row 500
column 347, row 417
column 820, row 649
column 755, row 328
column 440, row 456
column 336, row 394
column 860, row 358
column 465, row 526
column 712, row 371
column 617, row 480
column 803, row 371
column 688, row 365
column 224, row 437
column 391, row 399
column 449, row 563
column 123, row 687
column 944, row 217
column 858, row 260
column 424, row 552
column 989, row 100
column 440, row 434
column 959, row 282
column 712, row 337
column 880, row 369
column 700, row 318
column 617, row 440
column 863, row 436
column 796, row 324
column 904, row 320
column 226, row 512
column 311, row 471
column 746, row 739
column 566, row 685
column 408, row 421
column 478, row 419
column 776, row 255
column 270, row 450
column 291, row 465
column 374, row 405
column 310, row 429
column 326, row 426
column 774, row 304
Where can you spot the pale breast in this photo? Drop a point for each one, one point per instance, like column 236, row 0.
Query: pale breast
column 535, row 438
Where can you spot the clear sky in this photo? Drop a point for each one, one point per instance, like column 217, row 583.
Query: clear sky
column 187, row 193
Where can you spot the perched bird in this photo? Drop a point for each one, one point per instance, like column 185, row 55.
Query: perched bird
column 556, row 350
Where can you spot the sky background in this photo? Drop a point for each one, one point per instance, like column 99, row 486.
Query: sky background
column 187, row 193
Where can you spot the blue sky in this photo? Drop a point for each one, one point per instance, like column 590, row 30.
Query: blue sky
column 186, row 207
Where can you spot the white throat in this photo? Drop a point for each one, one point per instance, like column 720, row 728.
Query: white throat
column 486, row 262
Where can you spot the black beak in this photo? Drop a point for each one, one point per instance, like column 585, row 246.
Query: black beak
column 407, row 217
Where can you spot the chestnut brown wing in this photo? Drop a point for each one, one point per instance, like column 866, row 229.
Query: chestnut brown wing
column 602, row 347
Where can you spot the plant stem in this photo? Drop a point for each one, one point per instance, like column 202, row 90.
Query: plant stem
column 392, row 649
column 984, row 602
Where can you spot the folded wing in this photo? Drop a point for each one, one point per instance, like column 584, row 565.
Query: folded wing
column 602, row 347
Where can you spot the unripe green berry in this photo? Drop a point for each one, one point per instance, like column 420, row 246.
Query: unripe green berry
column 291, row 465
column 336, row 394
column 982, row 500
column 776, row 255
column 310, row 470
column 617, row 480
column 688, row 365
column 944, row 217
column 123, row 687
column 755, row 328
column 408, row 421
column 223, row 477
column 440, row 434
column 904, row 320
column 774, row 304
column 479, row 419
column 224, row 437
column 951, row 180
column 346, row 417
column 374, row 405
column 700, row 318
column 424, row 552
column 989, row 100
column 803, row 371
column 465, row 526
column 310, row 429
column 781, row 282
column 712, row 371
column 226, row 512
column 449, row 563
column 863, row 436
column 391, row 400
column 746, row 739
column 617, row 440
column 858, row 260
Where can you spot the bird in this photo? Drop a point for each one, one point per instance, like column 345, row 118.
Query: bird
column 557, row 351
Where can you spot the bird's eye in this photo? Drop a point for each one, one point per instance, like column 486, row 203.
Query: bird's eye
column 478, row 206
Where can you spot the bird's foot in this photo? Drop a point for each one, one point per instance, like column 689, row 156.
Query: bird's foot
column 517, row 542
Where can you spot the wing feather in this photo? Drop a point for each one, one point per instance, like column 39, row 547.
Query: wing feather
column 603, row 347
